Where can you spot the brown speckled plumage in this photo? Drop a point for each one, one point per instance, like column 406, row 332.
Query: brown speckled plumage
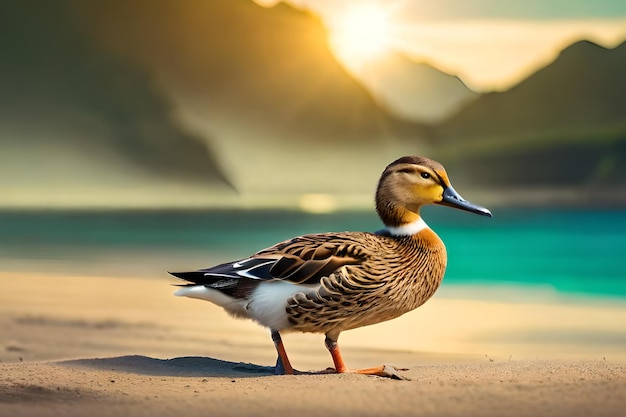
column 392, row 276
column 331, row 282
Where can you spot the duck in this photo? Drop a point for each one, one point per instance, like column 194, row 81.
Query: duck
column 336, row 281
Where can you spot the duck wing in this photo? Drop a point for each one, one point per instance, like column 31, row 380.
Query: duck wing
column 304, row 260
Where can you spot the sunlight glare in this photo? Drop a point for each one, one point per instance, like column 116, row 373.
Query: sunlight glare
column 361, row 33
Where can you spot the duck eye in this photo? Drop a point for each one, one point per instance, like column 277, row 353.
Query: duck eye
column 425, row 175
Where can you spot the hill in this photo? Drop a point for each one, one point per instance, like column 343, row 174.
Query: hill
column 414, row 90
column 140, row 95
column 264, row 83
column 75, row 120
column 583, row 88
column 563, row 127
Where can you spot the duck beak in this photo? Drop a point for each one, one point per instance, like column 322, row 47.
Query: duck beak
column 453, row 199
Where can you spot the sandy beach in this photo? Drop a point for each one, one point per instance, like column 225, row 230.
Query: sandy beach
column 100, row 346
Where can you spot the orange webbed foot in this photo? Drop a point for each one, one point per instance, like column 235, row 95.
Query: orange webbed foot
column 387, row 371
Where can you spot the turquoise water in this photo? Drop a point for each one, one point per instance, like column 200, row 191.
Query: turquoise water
column 571, row 251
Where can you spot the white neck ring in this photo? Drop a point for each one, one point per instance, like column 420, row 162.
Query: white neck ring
column 408, row 229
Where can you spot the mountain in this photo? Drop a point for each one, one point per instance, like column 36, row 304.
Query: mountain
column 584, row 88
column 266, row 64
column 564, row 127
column 144, row 96
column 264, row 83
column 72, row 117
column 414, row 90
column 177, row 102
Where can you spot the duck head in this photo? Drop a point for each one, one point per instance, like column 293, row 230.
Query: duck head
column 411, row 182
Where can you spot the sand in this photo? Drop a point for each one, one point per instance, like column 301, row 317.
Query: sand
column 103, row 346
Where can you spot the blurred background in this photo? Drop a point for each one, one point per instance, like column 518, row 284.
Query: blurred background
column 140, row 136
column 245, row 104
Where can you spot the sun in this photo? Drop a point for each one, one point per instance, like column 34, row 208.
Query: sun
column 360, row 33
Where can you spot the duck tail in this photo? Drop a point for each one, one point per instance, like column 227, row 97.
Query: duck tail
column 192, row 278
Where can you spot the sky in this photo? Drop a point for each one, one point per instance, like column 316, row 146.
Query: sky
column 490, row 44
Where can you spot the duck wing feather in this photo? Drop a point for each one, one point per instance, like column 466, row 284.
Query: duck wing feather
column 304, row 260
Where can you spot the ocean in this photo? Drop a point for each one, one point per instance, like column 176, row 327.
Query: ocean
column 579, row 253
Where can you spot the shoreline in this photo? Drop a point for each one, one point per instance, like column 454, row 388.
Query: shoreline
column 568, row 197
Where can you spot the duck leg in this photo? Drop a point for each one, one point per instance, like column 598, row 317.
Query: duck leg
column 340, row 366
column 283, row 366
column 335, row 353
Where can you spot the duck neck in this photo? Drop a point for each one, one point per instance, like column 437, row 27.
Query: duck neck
column 400, row 221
